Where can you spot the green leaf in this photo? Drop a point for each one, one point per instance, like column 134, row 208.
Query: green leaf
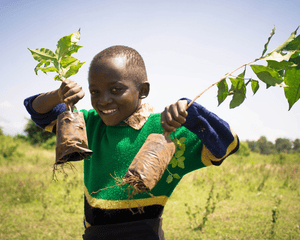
column 293, row 45
column 65, row 45
column 58, row 78
column 73, row 70
column 48, row 69
column 38, row 67
column 43, row 54
column 267, row 74
column 173, row 161
column 254, row 86
column 182, row 139
column 72, row 49
column 282, row 65
column 45, row 69
column 182, row 147
column 179, row 153
column 181, row 159
column 295, row 59
column 238, row 88
column 75, row 37
column 292, row 90
column 284, row 45
column 67, row 61
column 267, row 43
column 181, row 164
column 169, row 179
column 279, row 56
column 176, row 176
column 222, row 91
column 242, row 75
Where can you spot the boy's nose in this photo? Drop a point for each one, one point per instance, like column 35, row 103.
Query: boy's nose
column 104, row 99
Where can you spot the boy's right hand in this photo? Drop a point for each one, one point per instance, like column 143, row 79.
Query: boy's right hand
column 70, row 92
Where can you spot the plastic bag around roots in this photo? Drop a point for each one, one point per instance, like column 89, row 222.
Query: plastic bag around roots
column 150, row 162
column 71, row 143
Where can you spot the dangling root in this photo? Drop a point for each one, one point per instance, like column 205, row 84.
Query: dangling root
column 135, row 186
column 136, row 183
column 61, row 169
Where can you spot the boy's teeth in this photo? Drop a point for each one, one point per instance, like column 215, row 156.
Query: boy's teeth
column 109, row 111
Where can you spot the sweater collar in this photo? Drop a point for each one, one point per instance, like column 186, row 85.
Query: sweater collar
column 140, row 116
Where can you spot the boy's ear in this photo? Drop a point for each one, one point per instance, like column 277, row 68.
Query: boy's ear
column 144, row 90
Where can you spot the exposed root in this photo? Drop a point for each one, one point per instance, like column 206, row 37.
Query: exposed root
column 60, row 167
column 136, row 183
column 135, row 186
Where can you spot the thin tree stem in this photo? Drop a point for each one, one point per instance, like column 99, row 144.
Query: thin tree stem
column 227, row 75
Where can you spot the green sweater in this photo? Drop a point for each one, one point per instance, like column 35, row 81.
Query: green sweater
column 114, row 149
column 208, row 141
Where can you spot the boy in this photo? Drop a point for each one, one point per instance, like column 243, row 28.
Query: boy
column 117, row 127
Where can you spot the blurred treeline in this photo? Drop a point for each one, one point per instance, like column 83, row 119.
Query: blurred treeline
column 37, row 136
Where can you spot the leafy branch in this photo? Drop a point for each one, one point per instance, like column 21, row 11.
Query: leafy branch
column 63, row 63
column 282, row 70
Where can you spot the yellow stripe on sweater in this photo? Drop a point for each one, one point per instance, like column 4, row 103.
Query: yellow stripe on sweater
column 207, row 156
column 124, row 204
column 49, row 128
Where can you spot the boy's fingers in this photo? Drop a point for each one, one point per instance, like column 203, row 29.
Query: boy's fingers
column 178, row 115
column 182, row 106
column 164, row 123
column 70, row 92
column 169, row 121
column 174, row 116
column 73, row 99
column 74, row 89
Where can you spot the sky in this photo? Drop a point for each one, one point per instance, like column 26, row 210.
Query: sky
column 186, row 45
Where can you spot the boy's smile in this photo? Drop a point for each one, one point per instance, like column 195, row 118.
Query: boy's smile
column 115, row 92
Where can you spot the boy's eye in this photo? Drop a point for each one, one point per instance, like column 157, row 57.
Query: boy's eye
column 115, row 90
column 94, row 92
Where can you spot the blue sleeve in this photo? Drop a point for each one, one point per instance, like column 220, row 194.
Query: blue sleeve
column 218, row 138
column 45, row 119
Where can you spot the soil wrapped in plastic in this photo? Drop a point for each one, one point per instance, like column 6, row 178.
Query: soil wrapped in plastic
column 71, row 144
column 150, row 162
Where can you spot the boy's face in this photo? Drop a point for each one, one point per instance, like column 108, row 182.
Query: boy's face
column 114, row 93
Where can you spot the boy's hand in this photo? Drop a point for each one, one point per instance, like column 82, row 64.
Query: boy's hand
column 174, row 116
column 70, row 92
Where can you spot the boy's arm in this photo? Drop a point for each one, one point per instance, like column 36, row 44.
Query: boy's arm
column 45, row 120
column 45, row 102
column 45, row 108
column 219, row 141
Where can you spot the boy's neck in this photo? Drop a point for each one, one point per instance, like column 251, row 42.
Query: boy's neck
column 140, row 116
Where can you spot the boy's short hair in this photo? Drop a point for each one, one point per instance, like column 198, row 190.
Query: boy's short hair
column 134, row 59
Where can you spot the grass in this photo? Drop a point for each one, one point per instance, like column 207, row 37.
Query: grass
column 247, row 197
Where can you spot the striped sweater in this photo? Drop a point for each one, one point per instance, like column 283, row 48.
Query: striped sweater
column 208, row 141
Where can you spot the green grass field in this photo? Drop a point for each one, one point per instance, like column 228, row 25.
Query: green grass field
column 247, row 197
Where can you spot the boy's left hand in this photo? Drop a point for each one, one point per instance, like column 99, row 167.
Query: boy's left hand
column 174, row 116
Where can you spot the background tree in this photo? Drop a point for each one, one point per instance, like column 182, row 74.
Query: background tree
column 283, row 145
column 296, row 147
column 265, row 147
column 1, row 131
column 253, row 146
column 244, row 149
column 35, row 134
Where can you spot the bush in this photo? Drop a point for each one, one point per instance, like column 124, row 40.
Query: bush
column 244, row 149
column 8, row 147
column 50, row 143
column 36, row 135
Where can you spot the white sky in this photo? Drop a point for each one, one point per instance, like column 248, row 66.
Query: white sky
column 186, row 45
